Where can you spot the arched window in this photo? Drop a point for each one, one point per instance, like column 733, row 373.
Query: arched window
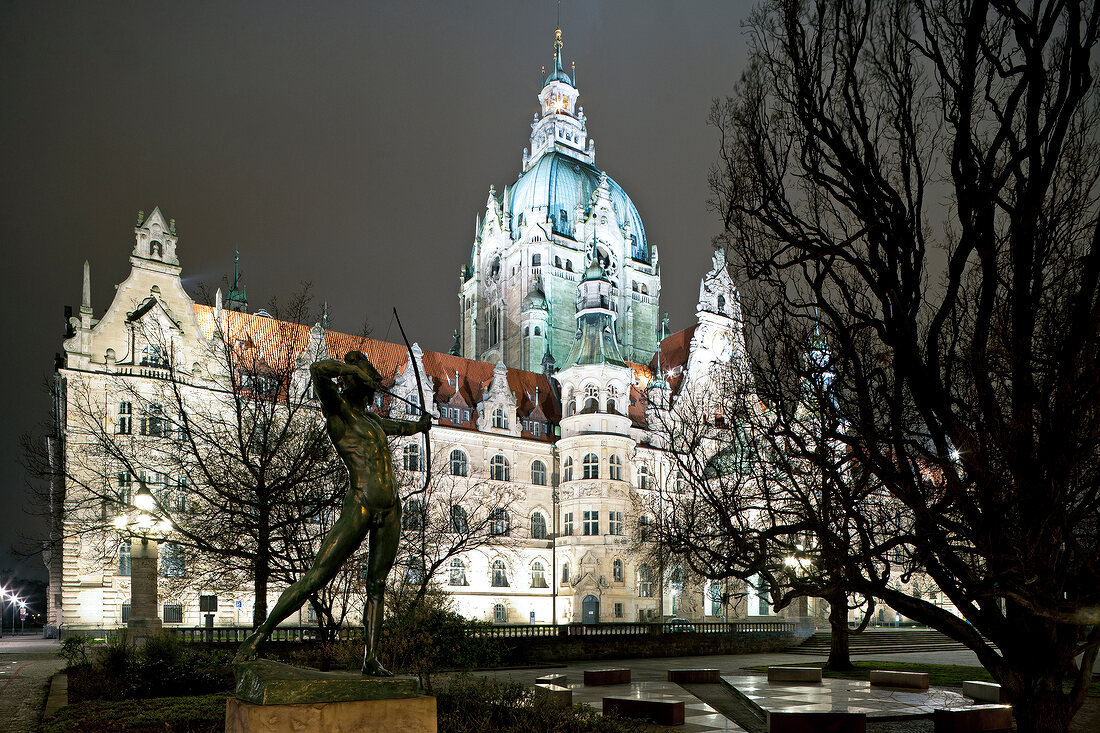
column 499, row 524
column 459, row 521
column 721, row 302
column 500, row 469
column 643, row 528
column 538, row 473
column 500, row 574
column 536, row 259
column 568, row 266
column 645, row 582
column 567, row 470
column 538, row 331
column 412, row 517
column 645, row 290
column 591, row 466
column 612, row 401
column 557, row 262
column 458, row 572
column 500, row 614
column 526, row 331
column 564, row 573
column 538, row 526
column 458, row 463
column 617, row 571
column 125, row 418
column 615, row 468
column 645, row 479
column 538, row 575
column 591, row 400
column 500, row 420
column 411, row 458
column 156, row 249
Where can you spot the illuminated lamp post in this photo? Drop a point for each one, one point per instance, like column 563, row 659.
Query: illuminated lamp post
column 146, row 531
column 796, row 565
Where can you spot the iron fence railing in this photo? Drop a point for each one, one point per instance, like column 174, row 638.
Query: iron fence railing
column 237, row 634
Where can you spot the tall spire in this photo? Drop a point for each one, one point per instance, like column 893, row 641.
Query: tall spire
column 557, row 73
column 86, row 292
column 237, row 300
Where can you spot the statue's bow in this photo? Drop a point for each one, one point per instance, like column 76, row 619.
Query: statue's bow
column 420, row 400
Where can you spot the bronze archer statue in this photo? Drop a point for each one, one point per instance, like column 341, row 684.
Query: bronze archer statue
column 372, row 505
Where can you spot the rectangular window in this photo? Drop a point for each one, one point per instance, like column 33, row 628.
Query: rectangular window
column 173, row 613
column 127, row 612
column 124, row 560
column 208, row 604
column 172, row 564
column 125, row 417
column 591, row 523
column 618, row 610
column 567, row 525
column 125, row 487
column 615, row 523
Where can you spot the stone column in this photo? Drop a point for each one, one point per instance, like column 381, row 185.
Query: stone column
column 144, row 618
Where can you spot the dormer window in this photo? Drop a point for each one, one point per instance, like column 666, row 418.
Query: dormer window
column 721, row 302
column 154, row 355
column 563, row 219
column 499, row 419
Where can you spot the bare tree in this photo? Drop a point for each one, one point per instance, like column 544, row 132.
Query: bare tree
column 918, row 181
column 749, row 499
column 450, row 516
column 232, row 448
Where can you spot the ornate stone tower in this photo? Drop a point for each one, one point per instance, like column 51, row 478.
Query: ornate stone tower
column 517, row 295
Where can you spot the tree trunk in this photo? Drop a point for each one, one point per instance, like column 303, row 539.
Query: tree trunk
column 838, row 626
column 1040, row 710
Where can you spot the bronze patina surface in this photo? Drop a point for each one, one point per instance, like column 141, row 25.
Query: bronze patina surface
column 372, row 505
column 263, row 682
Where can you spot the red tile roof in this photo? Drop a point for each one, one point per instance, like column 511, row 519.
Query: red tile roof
column 281, row 339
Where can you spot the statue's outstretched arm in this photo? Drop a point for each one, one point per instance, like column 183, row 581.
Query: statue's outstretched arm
column 407, row 427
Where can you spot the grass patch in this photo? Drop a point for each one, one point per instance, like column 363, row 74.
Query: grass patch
column 199, row 714
column 939, row 675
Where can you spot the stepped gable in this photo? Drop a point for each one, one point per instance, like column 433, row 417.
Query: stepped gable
column 282, row 339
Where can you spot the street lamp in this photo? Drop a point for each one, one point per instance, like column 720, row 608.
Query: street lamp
column 146, row 531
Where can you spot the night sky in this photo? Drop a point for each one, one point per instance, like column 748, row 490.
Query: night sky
column 349, row 145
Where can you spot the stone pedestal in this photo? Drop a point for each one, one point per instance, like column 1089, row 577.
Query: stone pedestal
column 144, row 618
column 404, row 715
column 277, row 697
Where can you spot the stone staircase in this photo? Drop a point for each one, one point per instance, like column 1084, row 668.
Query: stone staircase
column 876, row 641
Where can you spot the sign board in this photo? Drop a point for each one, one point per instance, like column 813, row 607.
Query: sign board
column 532, row 617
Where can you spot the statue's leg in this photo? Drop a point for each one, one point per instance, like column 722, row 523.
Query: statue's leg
column 338, row 545
column 382, row 551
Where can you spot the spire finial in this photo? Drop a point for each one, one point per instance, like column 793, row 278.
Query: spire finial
column 236, row 267
column 86, row 292
column 324, row 315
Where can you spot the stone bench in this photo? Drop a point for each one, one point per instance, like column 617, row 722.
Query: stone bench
column 558, row 693
column 981, row 719
column 907, row 680
column 613, row 676
column 662, row 712
column 693, row 676
column 553, row 679
column 783, row 722
column 794, row 674
column 984, row 691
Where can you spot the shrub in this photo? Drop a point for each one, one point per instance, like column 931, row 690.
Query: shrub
column 74, row 650
column 163, row 667
column 204, row 714
column 471, row 704
column 426, row 635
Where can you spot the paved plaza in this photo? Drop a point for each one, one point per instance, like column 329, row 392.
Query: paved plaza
column 698, row 716
column 844, row 696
